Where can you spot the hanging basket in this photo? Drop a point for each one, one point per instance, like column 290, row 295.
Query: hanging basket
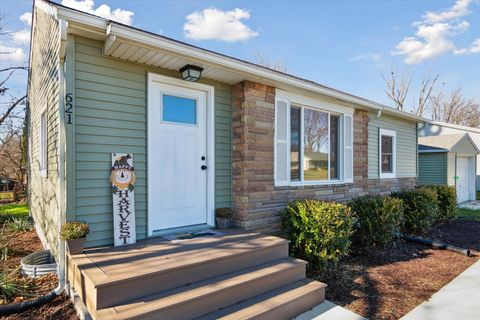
column 38, row 263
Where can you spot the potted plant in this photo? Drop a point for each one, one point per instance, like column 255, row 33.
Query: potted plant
column 224, row 218
column 74, row 233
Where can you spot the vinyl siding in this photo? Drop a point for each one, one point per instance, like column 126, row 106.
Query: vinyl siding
column 111, row 116
column 406, row 133
column 432, row 168
column 43, row 95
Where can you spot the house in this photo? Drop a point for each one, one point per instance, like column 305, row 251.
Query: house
column 241, row 136
column 448, row 155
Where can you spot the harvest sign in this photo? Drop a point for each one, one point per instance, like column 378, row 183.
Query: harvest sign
column 123, row 178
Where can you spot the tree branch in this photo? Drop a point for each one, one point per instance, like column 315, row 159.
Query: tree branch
column 10, row 109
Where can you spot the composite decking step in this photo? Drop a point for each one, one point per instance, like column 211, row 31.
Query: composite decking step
column 281, row 304
column 122, row 275
column 210, row 295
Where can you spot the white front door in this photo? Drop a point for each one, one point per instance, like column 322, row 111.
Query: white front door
column 463, row 179
column 177, row 168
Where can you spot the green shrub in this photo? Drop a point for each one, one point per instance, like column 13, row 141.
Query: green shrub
column 447, row 201
column 12, row 285
column 319, row 231
column 420, row 208
column 74, row 230
column 380, row 219
column 20, row 224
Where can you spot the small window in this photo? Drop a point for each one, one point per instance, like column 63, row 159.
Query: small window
column 179, row 109
column 42, row 134
column 387, row 153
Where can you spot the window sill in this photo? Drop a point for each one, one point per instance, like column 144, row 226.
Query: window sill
column 387, row 176
column 314, row 183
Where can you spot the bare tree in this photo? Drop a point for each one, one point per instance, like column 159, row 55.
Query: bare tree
column 13, row 157
column 398, row 88
column 277, row 64
column 455, row 108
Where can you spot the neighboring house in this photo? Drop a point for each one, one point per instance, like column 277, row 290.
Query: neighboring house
column 448, row 154
column 235, row 138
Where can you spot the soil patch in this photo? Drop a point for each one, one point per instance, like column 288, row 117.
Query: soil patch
column 22, row 244
column 388, row 283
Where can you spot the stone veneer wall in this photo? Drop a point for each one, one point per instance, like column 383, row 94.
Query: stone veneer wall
column 256, row 201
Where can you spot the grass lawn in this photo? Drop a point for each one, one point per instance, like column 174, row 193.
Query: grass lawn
column 15, row 210
column 468, row 214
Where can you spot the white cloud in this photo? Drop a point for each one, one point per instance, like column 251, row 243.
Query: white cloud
column 119, row 15
column 369, row 56
column 215, row 24
column 458, row 10
column 11, row 54
column 26, row 18
column 475, row 48
column 21, row 37
column 435, row 33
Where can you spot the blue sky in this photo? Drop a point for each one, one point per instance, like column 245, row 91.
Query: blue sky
column 343, row 44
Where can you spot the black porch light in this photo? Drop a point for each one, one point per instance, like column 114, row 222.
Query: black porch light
column 191, row 73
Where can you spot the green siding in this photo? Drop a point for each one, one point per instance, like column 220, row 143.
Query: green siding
column 111, row 116
column 432, row 168
column 406, row 132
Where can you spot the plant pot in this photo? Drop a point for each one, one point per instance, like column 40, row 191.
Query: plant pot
column 75, row 246
column 224, row 223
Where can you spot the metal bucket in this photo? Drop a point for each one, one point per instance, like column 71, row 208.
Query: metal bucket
column 38, row 263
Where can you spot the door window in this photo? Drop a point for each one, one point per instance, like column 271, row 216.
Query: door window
column 179, row 109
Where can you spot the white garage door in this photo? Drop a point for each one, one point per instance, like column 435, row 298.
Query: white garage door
column 464, row 179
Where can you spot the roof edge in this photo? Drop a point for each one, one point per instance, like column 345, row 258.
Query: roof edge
column 235, row 64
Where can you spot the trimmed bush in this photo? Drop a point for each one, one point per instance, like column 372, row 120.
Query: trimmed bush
column 420, row 208
column 319, row 231
column 380, row 219
column 447, row 201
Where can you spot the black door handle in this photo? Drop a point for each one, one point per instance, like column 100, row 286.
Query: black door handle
column 204, row 167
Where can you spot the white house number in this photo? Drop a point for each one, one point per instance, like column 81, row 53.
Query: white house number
column 69, row 108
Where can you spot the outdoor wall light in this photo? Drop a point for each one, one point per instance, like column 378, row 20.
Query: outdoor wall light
column 191, row 73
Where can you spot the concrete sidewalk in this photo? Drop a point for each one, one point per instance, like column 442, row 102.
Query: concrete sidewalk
column 459, row 300
column 329, row 311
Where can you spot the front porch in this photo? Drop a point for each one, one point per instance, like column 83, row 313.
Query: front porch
column 235, row 275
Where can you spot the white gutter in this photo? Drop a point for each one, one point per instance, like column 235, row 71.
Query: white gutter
column 61, row 156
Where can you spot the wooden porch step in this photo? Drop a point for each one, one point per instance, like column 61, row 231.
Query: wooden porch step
column 118, row 276
column 213, row 294
column 281, row 304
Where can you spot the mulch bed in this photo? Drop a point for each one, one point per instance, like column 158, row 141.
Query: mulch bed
column 22, row 244
column 388, row 283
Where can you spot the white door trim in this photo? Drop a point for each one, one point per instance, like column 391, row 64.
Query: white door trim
column 210, row 105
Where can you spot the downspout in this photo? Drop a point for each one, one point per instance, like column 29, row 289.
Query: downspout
column 61, row 156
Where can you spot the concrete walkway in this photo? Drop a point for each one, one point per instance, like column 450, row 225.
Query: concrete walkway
column 471, row 205
column 329, row 311
column 458, row 300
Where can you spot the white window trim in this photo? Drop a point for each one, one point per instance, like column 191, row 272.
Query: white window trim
column 42, row 143
column 302, row 102
column 393, row 134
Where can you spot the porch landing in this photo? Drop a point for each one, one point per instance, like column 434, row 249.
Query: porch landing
column 237, row 275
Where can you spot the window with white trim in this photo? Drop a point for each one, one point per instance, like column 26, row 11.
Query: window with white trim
column 387, row 153
column 313, row 145
column 42, row 146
